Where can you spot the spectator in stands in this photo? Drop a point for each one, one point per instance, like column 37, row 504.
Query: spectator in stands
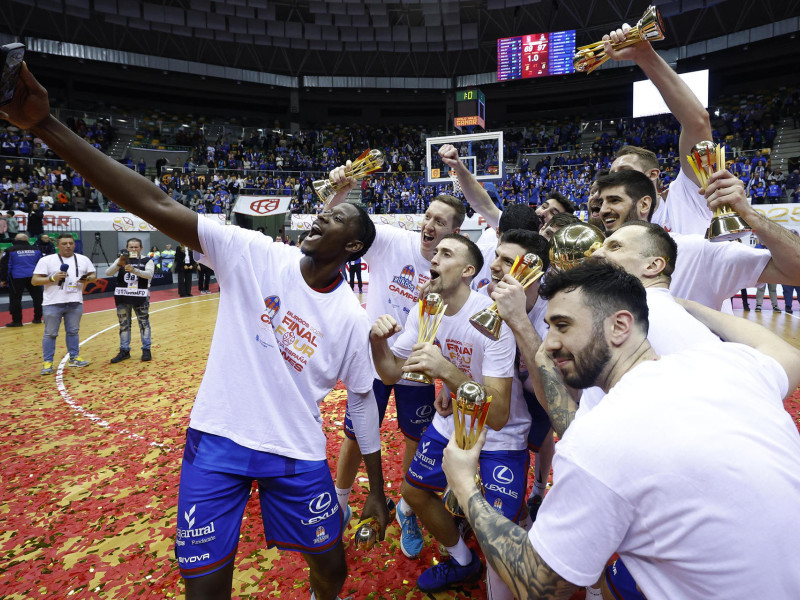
column 12, row 226
column 35, row 220
column 45, row 245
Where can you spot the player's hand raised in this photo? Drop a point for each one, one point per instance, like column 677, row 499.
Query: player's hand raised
column 384, row 327
column 31, row 104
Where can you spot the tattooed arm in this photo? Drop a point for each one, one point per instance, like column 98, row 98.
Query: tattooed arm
column 505, row 545
column 560, row 398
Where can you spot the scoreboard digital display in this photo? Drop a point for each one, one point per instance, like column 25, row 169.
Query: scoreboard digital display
column 535, row 55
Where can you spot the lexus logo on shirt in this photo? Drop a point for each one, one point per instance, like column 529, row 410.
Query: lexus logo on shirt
column 320, row 504
column 424, row 411
column 503, row 475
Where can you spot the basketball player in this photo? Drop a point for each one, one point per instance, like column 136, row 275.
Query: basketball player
column 399, row 265
column 655, row 472
column 286, row 330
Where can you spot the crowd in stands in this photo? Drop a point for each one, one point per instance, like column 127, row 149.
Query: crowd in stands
column 540, row 158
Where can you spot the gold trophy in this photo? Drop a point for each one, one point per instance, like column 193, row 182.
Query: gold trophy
column 707, row 158
column 650, row 28
column 526, row 270
column 470, row 410
column 431, row 311
column 573, row 244
column 366, row 536
column 369, row 162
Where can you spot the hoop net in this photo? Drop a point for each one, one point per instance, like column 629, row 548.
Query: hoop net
column 457, row 191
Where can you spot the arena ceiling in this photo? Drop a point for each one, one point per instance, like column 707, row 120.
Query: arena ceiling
column 378, row 38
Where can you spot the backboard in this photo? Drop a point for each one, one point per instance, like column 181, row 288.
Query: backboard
column 482, row 153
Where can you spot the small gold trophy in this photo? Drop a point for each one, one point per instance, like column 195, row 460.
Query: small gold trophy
column 431, row 311
column 650, row 28
column 470, row 409
column 526, row 270
column 369, row 162
column 366, row 536
column 707, row 158
column 573, row 244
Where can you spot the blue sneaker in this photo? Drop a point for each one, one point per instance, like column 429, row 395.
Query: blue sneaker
column 410, row 535
column 449, row 573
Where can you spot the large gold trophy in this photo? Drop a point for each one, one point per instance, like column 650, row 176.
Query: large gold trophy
column 470, row 410
column 431, row 311
column 707, row 158
column 573, row 244
column 650, row 28
column 369, row 162
column 526, row 270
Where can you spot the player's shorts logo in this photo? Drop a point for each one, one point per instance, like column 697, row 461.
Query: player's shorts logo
column 424, row 411
column 320, row 504
column 425, row 447
column 406, row 278
column 272, row 305
column 498, row 504
column 321, row 536
column 189, row 516
column 503, row 474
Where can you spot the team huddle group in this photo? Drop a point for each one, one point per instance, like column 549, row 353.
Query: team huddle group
column 675, row 452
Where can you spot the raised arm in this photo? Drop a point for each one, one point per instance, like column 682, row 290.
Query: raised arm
column 784, row 266
column 477, row 197
column 742, row 331
column 681, row 101
column 505, row 545
column 30, row 110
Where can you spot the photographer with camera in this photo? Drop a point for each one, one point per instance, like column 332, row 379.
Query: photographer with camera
column 132, row 295
column 63, row 276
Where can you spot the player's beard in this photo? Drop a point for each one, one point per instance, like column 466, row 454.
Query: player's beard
column 589, row 362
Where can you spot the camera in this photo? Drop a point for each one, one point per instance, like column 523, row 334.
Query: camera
column 97, row 236
column 125, row 253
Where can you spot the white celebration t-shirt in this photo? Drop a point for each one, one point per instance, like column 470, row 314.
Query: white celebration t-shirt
column 684, row 210
column 72, row 288
column 690, row 470
column 278, row 348
column 478, row 356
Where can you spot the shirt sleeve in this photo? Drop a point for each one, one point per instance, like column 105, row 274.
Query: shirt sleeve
column 408, row 337
column 356, row 371
column 580, row 524
column 498, row 358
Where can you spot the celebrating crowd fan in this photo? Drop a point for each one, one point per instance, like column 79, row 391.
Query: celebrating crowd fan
column 132, row 295
column 678, row 524
column 63, row 276
column 274, row 336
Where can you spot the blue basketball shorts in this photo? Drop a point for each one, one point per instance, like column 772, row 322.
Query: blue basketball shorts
column 540, row 421
column 504, row 473
column 414, row 405
column 621, row 583
column 299, row 511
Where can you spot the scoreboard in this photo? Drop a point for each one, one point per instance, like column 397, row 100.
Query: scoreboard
column 535, row 55
column 470, row 108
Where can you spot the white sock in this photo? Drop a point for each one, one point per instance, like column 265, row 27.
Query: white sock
column 593, row 593
column 343, row 495
column 404, row 508
column 460, row 552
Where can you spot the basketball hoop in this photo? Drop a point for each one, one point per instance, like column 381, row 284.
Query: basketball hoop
column 457, row 191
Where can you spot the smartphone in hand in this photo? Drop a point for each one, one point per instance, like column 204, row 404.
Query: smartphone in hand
column 12, row 56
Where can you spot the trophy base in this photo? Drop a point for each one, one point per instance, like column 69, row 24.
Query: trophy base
column 488, row 323
column 726, row 228
column 418, row 377
column 451, row 504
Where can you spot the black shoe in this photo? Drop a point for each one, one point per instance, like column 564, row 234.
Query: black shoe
column 37, row 321
column 789, row 310
column 146, row 355
column 13, row 324
column 123, row 355
column 758, row 309
column 746, row 307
